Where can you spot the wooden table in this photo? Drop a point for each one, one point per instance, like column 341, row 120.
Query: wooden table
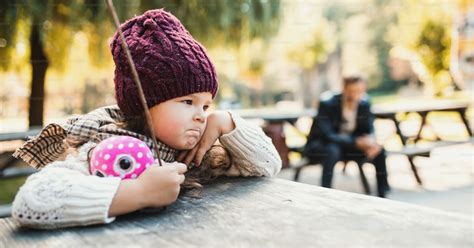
column 276, row 115
column 423, row 108
column 274, row 125
column 381, row 111
column 260, row 212
column 275, row 119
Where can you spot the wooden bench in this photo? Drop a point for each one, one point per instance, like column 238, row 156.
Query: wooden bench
column 8, row 169
column 412, row 151
column 19, row 135
column 263, row 212
column 298, row 166
column 423, row 109
column 409, row 151
column 7, row 162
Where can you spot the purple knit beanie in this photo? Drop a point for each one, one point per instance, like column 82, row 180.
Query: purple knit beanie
column 169, row 62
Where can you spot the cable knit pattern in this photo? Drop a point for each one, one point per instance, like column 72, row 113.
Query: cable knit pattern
column 169, row 62
column 64, row 194
column 249, row 141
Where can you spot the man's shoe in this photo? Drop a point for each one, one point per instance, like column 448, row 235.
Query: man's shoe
column 384, row 191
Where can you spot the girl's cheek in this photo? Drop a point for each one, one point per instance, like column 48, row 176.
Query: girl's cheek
column 166, row 130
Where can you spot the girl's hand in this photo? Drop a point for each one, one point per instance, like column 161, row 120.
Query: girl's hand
column 218, row 124
column 160, row 186
column 155, row 187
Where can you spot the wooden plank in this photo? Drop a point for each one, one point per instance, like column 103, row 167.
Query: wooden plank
column 16, row 172
column 425, row 150
column 265, row 212
column 379, row 110
column 5, row 210
column 19, row 135
column 417, row 106
column 275, row 115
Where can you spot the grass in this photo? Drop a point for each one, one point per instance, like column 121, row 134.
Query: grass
column 9, row 187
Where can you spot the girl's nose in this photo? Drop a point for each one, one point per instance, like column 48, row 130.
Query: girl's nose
column 200, row 116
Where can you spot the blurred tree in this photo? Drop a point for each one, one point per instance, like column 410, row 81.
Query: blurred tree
column 382, row 15
column 425, row 30
column 338, row 14
column 311, row 51
column 433, row 46
column 214, row 22
column 51, row 25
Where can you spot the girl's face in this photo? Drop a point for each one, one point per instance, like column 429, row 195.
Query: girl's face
column 180, row 122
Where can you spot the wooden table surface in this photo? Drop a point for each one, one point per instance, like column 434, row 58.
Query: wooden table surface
column 419, row 106
column 260, row 212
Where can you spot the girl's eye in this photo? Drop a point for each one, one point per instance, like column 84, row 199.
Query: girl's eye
column 205, row 107
column 188, row 102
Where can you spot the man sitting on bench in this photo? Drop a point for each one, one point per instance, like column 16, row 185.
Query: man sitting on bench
column 343, row 130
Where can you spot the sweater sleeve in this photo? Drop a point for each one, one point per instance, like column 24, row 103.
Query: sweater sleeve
column 64, row 194
column 252, row 152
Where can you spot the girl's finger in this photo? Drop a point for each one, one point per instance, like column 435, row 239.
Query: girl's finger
column 181, row 178
column 204, row 146
column 181, row 156
column 180, row 168
column 200, row 154
column 190, row 155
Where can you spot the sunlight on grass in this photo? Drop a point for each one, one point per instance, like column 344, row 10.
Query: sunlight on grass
column 9, row 188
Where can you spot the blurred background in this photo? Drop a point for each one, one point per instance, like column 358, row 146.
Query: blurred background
column 271, row 56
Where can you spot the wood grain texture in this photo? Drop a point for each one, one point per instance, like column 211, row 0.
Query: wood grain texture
column 261, row 212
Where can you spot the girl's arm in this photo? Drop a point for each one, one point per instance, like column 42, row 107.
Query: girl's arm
column 252, row 152
column 126, row 199
column 64, row 194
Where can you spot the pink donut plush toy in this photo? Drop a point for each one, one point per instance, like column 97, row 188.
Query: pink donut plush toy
column 120, row 156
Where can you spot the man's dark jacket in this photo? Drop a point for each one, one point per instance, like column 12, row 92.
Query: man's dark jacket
column 327, row 123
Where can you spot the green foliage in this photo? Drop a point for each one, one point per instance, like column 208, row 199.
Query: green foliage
column 338, row 13
column 213, row 22
column 9, row 188
column 315, row 48
column 8, row 24
column 57, row 20
column 424, row 29
column 383, row 14
column 223, row 21
column 433, row 45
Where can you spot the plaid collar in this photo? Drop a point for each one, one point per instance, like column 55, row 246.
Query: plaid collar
column 95, row 126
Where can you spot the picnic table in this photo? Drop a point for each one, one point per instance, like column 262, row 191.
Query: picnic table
column 263, row 212
column 7, row 169
column 275, row 120
column 423, row 108
column 381, row 111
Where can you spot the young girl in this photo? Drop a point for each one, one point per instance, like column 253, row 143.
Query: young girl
column 179, row 83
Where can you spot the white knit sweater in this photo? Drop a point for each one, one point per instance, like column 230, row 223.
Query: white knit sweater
column 64, row 193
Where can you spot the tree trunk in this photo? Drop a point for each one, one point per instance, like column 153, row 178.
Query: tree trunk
column 39, row 64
